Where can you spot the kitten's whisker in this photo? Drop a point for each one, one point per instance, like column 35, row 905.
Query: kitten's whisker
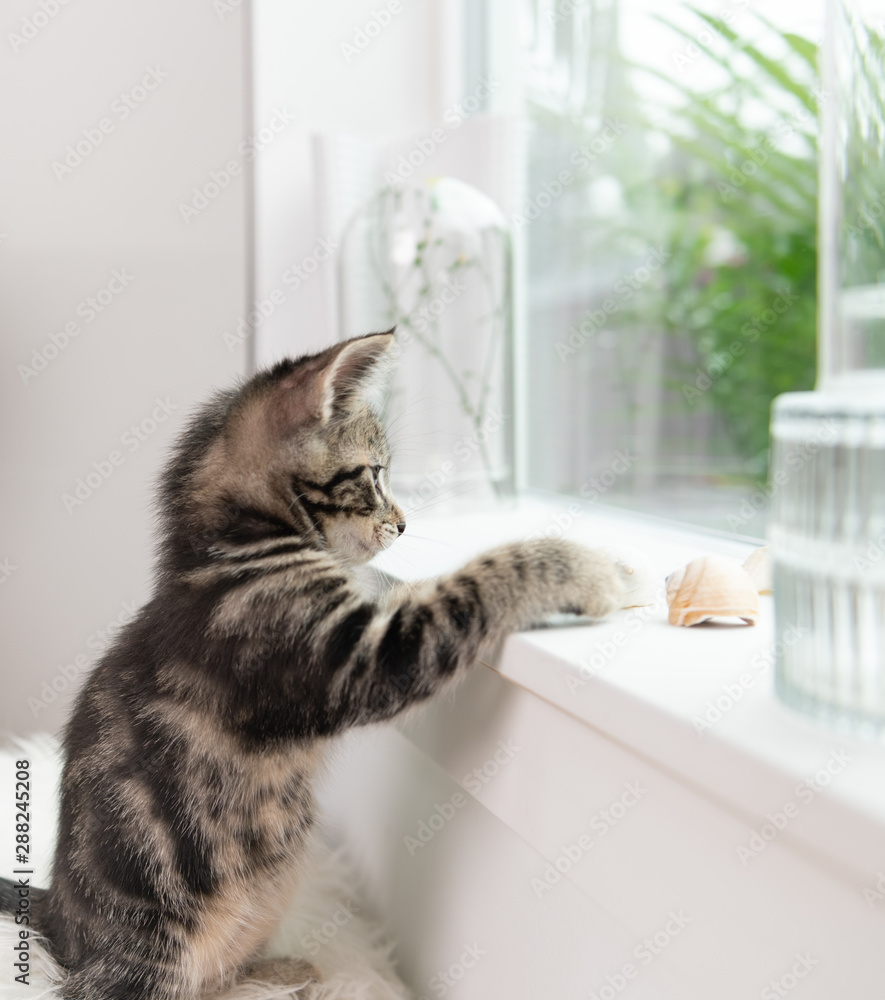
column 427, row 538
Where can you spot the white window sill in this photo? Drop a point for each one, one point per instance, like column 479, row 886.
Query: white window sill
column 657, row 680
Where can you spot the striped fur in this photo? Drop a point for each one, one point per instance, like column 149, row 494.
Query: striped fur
column 186, row 804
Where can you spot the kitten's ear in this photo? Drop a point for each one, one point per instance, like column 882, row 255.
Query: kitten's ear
column 359, row 373
column 341, row 378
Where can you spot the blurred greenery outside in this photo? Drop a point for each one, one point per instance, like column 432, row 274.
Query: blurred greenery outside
column 724, row 180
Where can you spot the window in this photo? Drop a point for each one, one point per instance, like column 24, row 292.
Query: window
column 668, row 245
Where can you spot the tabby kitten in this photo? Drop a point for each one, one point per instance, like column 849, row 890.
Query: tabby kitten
column 186, row 793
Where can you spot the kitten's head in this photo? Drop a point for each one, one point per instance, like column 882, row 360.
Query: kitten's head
column 297, row 449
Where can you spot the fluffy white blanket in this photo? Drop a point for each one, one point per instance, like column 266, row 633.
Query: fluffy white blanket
column 324, row 926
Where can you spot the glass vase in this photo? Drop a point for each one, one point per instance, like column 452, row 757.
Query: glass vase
column 827, row 527
column 434, row 260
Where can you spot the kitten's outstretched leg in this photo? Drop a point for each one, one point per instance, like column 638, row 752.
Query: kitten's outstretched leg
column 404, row 650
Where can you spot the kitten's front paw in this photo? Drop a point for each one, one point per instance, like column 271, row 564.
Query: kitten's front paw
column 637, row 575
column 589, row 582
column 601, row 583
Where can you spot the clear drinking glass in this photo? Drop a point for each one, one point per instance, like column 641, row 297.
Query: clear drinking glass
column 827, row 526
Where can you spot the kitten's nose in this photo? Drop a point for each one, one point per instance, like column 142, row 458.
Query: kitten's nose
column 401, row 526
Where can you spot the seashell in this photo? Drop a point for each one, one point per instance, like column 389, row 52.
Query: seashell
column 637, row 574
column 711, row 585
column 758, row 565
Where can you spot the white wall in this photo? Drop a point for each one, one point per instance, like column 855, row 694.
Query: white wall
column 400, row 83
column 161, row 337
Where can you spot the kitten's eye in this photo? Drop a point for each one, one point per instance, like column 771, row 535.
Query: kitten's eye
column 376, row 476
